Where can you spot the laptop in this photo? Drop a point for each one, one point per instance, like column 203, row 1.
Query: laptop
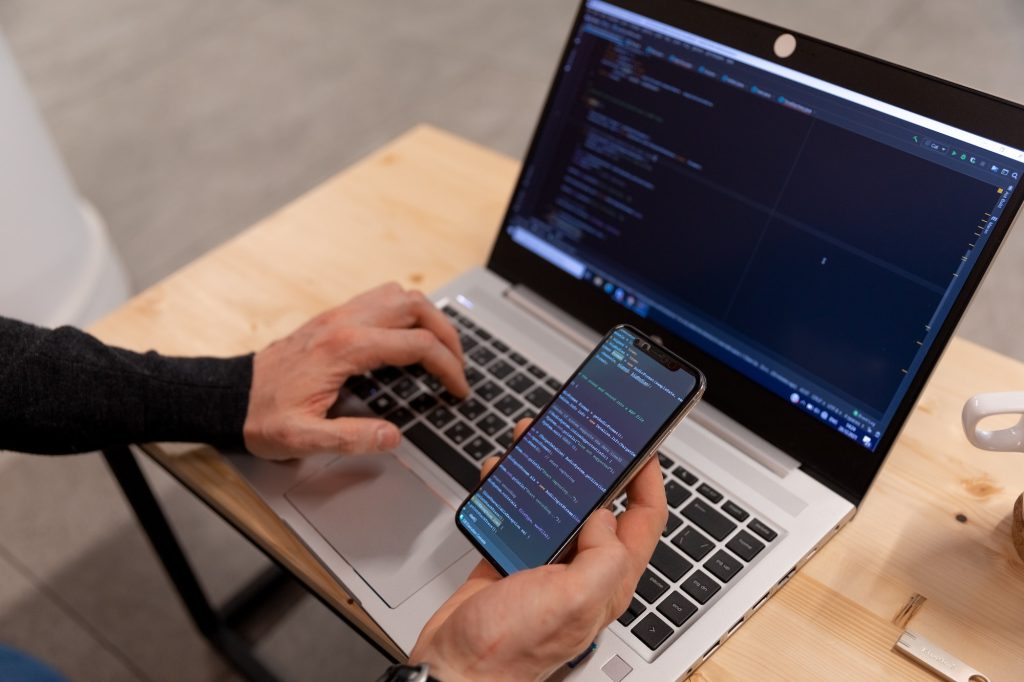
column 804, row 223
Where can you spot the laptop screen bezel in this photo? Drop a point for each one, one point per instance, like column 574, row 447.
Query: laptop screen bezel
column 840, row 463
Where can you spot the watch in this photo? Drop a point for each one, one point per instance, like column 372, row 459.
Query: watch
column 408, row 673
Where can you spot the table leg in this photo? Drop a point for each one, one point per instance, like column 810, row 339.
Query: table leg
column 211, row 623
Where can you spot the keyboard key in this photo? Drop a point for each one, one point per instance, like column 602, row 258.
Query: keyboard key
column 416, row 371
column 506, row 438
column 525, row 414
column 553, row 384
column 763, row 530
column 489, row 391
column 538, row 397
column 669, row 562
column 468, row 342
column 400, row 417
column 460, row 432
column 471, row 409
column 482, row 333
column 508, row 405
column 448, row 398
column 364, row 387
column 670, row 526
column 677, row 609
column 701, row 587
column 450, row 311
column 735, row 511
column 684, row 475
column 519, row 383
column 386, row 375
column 710, row 493
column 499, row 346
column 382, row 403
column 517, row 358
column 723, row 566
column 665, row 460
column 445, row 456
column 482, row 356
column 473, row 376
column 478, row 448
column 693, row 542
column 702, row 514
column 424, row 402
column 650, row 587
column 536, row 371
column 652, row 631
column 501, row 369
column 676, row 493
column 745, row 546
column 405, row 388
column 440, row 417
column 466, row 322
column 491, row 424
column 636, row 607
column 432, row 383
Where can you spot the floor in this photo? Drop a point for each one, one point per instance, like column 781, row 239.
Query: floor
column 186, row 121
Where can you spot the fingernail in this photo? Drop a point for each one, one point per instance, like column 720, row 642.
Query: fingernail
column 387, row 437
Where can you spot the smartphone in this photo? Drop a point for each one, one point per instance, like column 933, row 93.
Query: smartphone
column 580, row 452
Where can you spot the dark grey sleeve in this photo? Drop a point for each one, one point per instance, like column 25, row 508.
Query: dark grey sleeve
column 62, row 391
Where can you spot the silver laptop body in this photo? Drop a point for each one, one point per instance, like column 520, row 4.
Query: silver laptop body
column 752, row 497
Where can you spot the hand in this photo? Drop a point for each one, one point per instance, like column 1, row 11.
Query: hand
column 525, row 626
column 296, row 379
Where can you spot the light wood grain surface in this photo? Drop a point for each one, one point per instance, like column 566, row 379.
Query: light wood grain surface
column 425, row 208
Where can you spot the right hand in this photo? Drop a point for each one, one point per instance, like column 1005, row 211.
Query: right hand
column 524, row 627
column 295, row 380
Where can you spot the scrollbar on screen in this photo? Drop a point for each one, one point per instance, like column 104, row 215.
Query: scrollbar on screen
column 605, row 416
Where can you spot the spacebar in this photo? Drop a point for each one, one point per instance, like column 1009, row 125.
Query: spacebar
column 444, row 456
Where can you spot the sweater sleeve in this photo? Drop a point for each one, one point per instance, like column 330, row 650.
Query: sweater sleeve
column 62, row 391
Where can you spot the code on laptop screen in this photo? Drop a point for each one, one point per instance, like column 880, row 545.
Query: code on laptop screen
column 806, row 236
column 575, row 452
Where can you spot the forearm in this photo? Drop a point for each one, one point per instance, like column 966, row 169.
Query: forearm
column 62, row 391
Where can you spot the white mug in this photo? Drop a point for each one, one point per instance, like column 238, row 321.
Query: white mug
column 990, row 404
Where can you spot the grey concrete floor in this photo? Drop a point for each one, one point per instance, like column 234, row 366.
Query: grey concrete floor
column 186, row 121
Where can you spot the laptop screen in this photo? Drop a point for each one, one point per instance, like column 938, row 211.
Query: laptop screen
column 809, row 237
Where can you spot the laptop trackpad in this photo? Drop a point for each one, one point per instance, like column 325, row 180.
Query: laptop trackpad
column 384, row 521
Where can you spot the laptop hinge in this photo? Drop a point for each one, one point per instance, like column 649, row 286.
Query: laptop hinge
column 744, row 440
column 551, row 315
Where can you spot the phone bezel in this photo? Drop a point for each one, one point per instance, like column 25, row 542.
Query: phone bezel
column 649, row 449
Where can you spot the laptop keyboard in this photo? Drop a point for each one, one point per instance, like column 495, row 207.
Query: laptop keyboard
column 459, row 435
column 708, row 540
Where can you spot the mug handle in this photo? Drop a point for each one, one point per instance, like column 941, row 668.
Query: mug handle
column 989, row 404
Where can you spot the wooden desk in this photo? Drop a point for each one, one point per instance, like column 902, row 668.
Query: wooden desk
column 426, row 207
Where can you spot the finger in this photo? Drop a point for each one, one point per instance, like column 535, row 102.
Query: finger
column 521, row 426
column 640, row 526
column 347, row 435
column 598, row 531
column 372, row 348
column 488, row 464
column 427, row 315
column 391, row 306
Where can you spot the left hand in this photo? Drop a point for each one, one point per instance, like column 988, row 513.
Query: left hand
column 295, row 380
column 525, row 626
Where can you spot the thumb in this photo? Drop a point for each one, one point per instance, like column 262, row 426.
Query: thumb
column 351, row 435
column 598, row 531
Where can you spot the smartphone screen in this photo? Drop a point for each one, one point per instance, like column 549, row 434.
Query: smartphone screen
column 610, row 412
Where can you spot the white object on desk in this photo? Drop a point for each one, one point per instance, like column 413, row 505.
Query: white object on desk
column 57, row 265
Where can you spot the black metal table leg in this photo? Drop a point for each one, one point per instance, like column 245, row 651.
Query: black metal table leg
column 211, row 623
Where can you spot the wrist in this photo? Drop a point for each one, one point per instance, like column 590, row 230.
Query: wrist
column 441, row 670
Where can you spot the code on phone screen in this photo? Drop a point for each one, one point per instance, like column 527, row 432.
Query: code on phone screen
column 577, row 450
